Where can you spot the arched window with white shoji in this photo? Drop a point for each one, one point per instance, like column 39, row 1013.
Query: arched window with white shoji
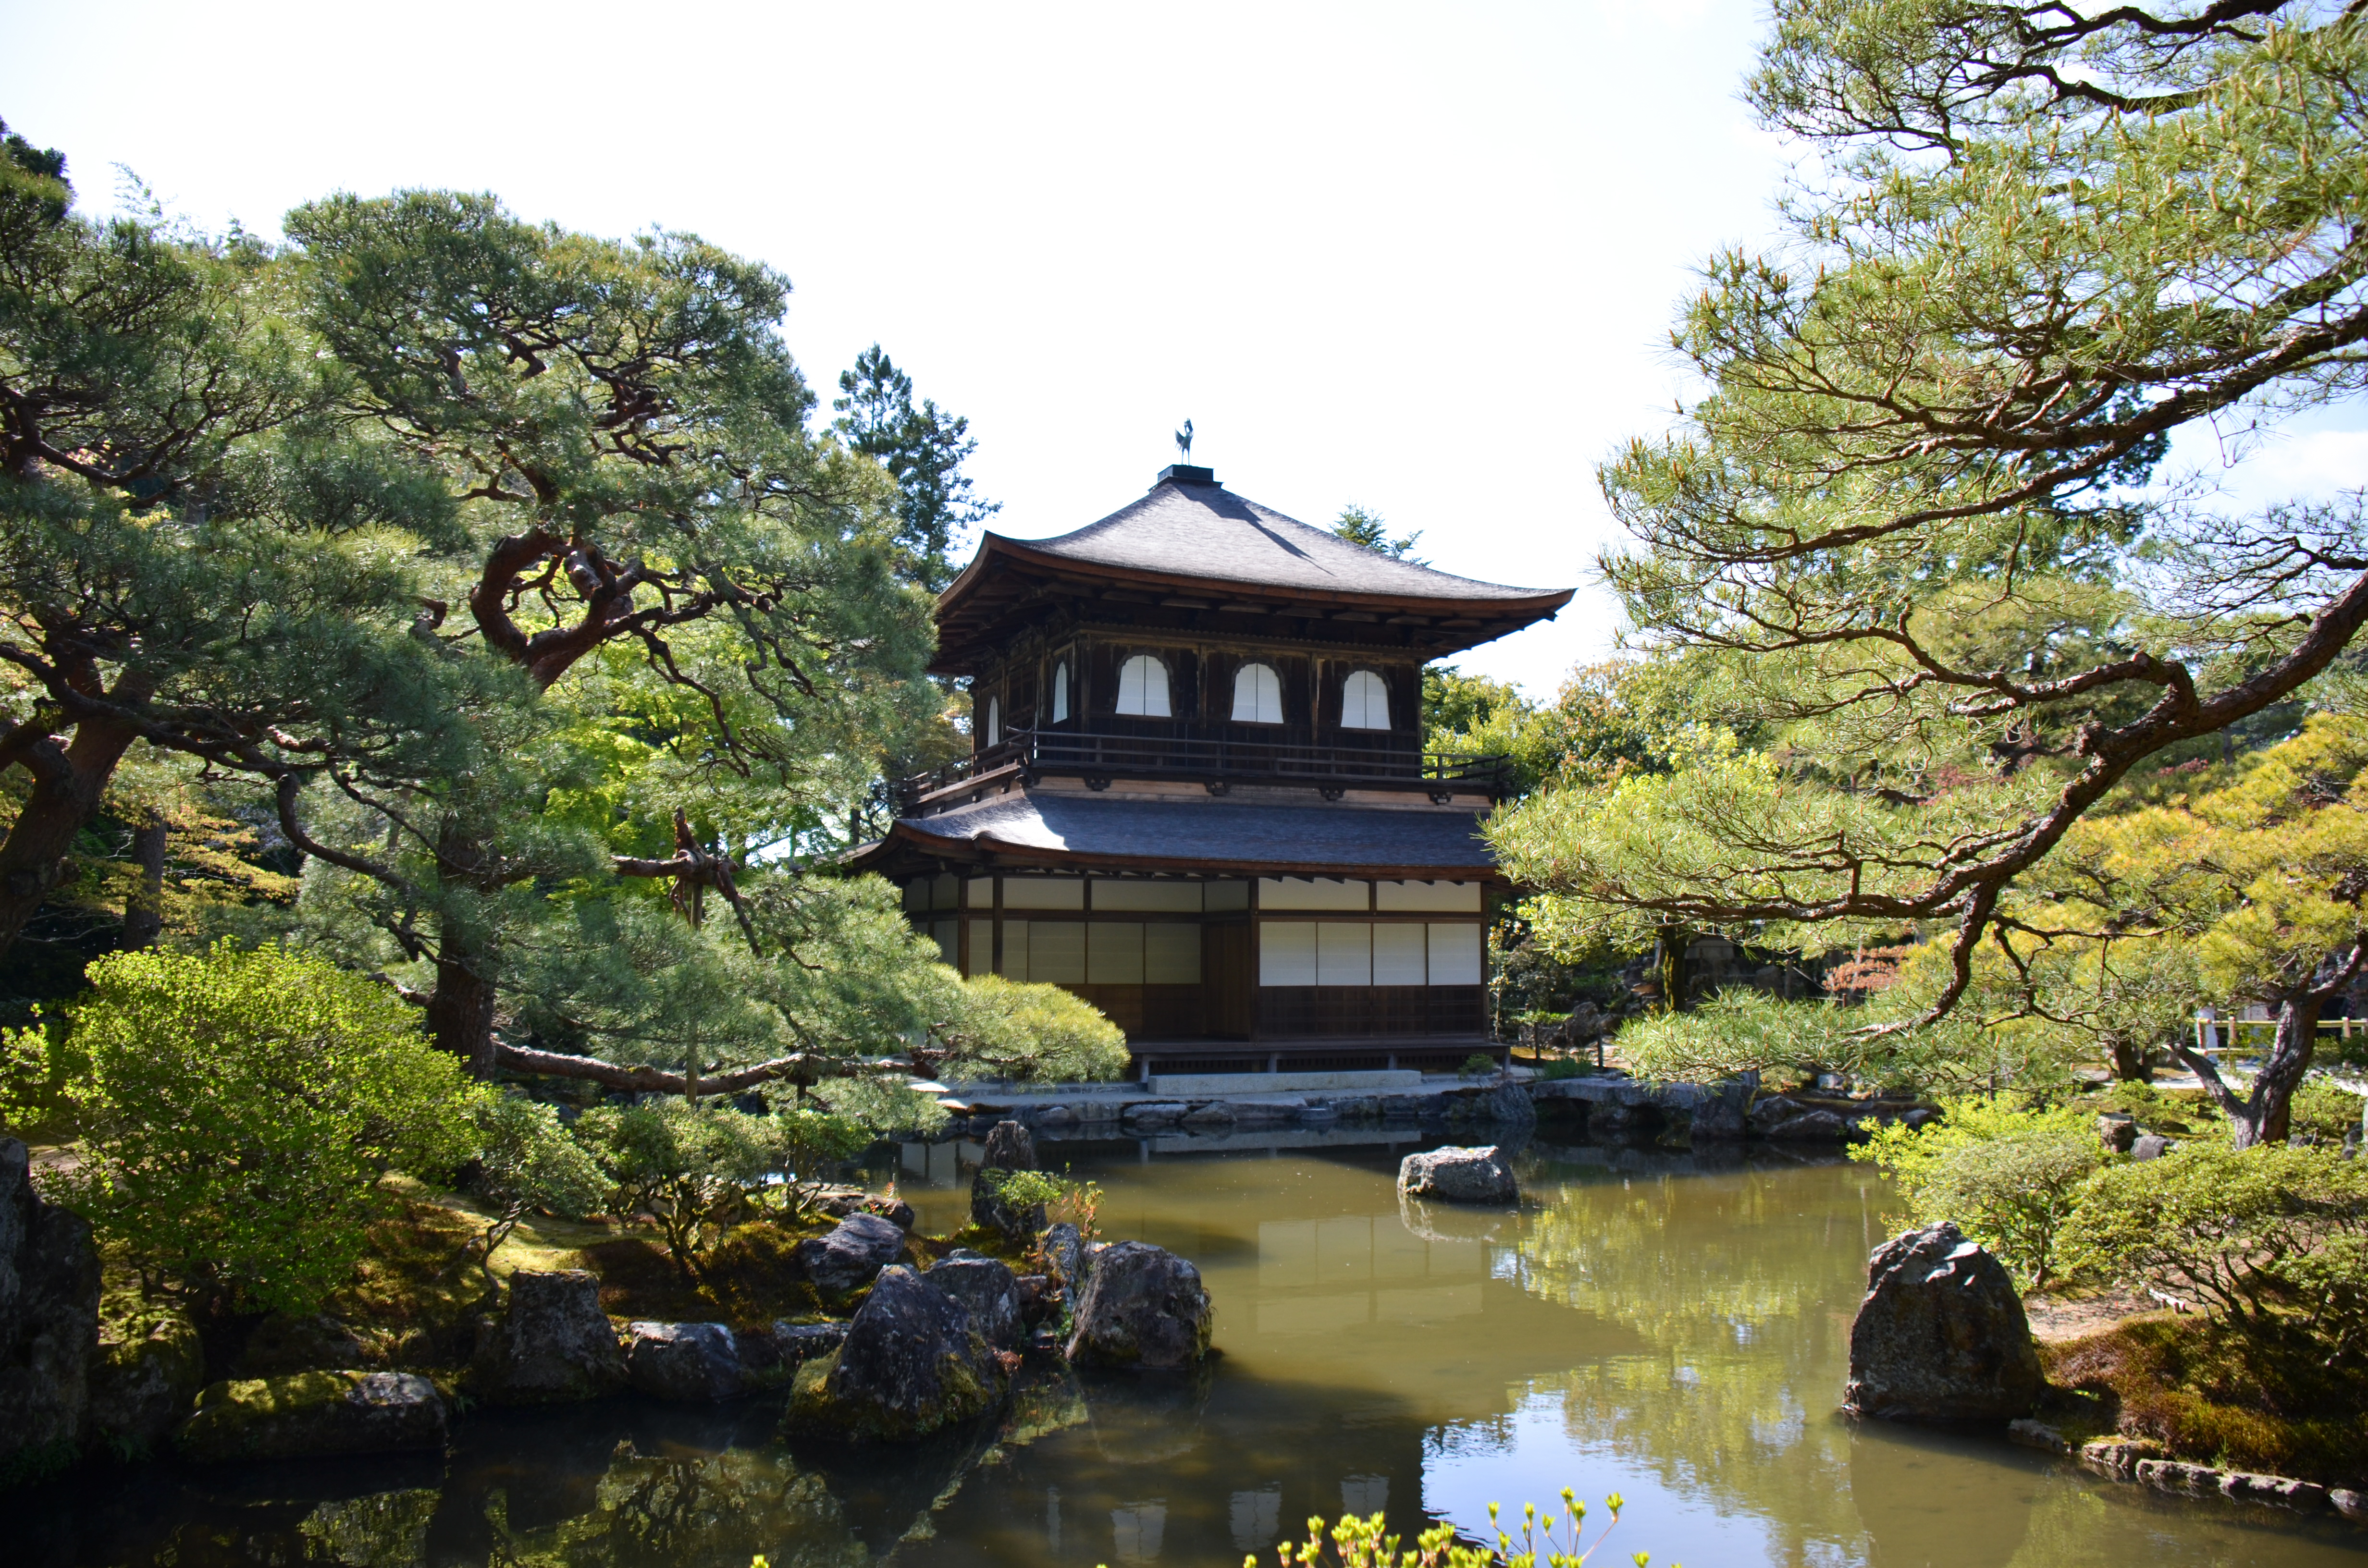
column 1061, row 691
column 1143, row 689
column 995, row 720
column 1364, row 702
column 1258, row 696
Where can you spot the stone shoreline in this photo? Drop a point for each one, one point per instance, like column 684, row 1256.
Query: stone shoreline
column 1606, row 1104
column 2141, row 1463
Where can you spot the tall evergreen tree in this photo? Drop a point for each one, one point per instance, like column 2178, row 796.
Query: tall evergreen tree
column 922, row 448
column 1359, row 526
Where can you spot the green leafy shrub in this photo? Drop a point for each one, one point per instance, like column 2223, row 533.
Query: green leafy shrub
column 525, row 1162
column 814, row 1141
column 1065, row 1199
column 1004, row 1029
column 238, row 1110
column 2322, row 1109
column 2233, row 1231
column 36, row 1066
column 2009, row 1177
column 695, row 1171
column 1024, row 1190
column 1477, row 1066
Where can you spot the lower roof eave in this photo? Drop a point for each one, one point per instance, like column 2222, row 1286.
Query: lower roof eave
column 986, row 852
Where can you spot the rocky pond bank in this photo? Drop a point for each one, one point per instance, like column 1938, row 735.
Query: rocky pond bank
column 901, row 1335
column 1943, row 1337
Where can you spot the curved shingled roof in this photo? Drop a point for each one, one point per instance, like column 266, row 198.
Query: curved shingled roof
column 1275, row 839
column 1188, row 530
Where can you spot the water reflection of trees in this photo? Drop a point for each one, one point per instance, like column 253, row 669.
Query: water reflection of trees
column 1738, row 1284
column 689, row 1511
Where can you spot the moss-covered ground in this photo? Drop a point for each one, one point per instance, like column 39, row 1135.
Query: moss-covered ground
column 2242, row 1397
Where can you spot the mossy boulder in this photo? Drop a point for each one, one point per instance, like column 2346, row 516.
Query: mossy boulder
column 315, row 1415
column 846, row 1259
column 914, row 1361
column 552, row 1346
column 145, row 1377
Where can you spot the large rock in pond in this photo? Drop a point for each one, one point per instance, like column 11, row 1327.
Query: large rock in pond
column 554, row 1345
column 848, row 1259
column 149, row 1369
column 913, row 1362
column 49, row 1323
column 1459, row 1176
column 988, row 1288
column 770, row 1357
column 1009, row 1147
column 690, row 1362
column 315, row 1415
column 1941, row 1334
column 1143, row 1307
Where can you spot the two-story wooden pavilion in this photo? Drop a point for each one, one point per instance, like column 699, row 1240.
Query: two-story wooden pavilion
column 1199, row 796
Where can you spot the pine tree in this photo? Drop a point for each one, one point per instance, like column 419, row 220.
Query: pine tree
column 194, row 553
column 1359, row 525
column 1908, row 519
column 923, row 448
column 665, row 594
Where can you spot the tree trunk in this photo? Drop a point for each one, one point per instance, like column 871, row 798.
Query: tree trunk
column 2129, row 1062
column 68, row 783
column 461, row 1014
column 2265, row 1116
column 2269, row 1107
column 1677, row 976
column 143, row 910
column 468, row 956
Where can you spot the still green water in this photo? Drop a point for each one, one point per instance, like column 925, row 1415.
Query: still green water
column 1668, row 1329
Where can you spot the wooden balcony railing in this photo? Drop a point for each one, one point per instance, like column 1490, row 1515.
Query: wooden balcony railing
column 1218, row 759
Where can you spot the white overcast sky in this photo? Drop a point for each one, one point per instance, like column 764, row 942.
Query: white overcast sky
column 1419, row 258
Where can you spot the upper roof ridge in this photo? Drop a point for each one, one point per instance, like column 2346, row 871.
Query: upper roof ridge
column 1190, row 525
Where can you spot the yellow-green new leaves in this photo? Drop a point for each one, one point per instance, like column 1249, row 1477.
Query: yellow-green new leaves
column 2264, row 875
column 1004, row 1029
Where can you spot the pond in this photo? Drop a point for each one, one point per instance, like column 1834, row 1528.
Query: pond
column 1669, row 1328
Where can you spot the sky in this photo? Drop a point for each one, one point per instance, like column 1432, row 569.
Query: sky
column 1420, row 258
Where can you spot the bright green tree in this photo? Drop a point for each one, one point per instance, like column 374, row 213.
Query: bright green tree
column 1913, row 518
column 238, row 1110
column 2260, row 881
